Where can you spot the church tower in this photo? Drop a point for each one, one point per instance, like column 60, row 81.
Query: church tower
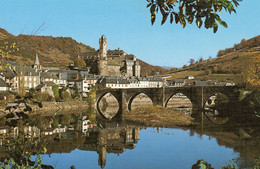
column 103, row 48
column 36, row 66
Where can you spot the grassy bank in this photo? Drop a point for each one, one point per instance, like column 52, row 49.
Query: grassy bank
column 158, row 116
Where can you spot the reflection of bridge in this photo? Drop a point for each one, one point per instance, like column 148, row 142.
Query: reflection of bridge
column 198, row 95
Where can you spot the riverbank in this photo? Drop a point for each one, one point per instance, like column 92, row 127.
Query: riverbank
column 158, row 116
column 51, row 108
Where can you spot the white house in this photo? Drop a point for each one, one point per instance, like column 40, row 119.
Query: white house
column 3, row 86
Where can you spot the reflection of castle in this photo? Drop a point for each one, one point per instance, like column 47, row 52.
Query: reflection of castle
column 112, row 62
column 115, row 141
column 113, row 138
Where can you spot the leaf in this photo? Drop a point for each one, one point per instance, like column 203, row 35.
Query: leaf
column 171, row 18
column 164, row 18
column 177, row 19
column 162, row 11
column 236, row 3
column 183, row 23
column 190, row 19
column 215, row 29
column 152, row 19
column 152, row 9
column 223, row 23
column 199, row 22
column 169, row 2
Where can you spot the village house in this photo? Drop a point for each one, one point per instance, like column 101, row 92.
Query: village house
column 26, row 77
column 122, row 83
column 46, row 87
column 179, row 82
column 3, row 86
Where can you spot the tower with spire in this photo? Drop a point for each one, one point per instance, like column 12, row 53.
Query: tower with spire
column 37, row 66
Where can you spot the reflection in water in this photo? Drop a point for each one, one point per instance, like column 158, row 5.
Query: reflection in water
column 180, row 102
column 216, row 107
column 108, row 106
column 77, row 135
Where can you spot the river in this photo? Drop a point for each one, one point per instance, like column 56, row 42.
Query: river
column 75, row 140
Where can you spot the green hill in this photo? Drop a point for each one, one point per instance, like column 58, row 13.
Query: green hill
column 228, row 64
column 54, row 51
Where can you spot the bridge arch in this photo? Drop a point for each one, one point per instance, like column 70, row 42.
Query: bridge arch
column 102, row 114
column 215, row 98
column 129, row 105
column 180, row 101
column 216, row 108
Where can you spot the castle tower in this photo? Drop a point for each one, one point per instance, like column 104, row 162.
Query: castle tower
column 103, row 48
column 36, row 66
column 102, row 62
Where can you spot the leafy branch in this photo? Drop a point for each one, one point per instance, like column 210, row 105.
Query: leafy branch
column 189, row 11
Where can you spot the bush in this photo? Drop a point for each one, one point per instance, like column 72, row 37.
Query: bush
column 65, row 96
column 207, row 72
column 56, row 94
column 44, row 97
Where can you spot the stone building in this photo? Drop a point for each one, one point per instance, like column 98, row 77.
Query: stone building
column 112, row 62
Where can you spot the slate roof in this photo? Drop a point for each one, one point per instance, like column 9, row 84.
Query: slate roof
column 8, row 73
column 115, row 52
column 200, row 83
column 26, row 70
column 130, row 57
column 2, row 83
column 44, row 84
column 49, row 75
column 114, row 80
column 179, row 80
column 74, row 77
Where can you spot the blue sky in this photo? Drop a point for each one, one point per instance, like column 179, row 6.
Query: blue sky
column 126, row 24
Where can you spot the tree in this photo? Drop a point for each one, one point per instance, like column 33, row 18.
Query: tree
column 192, row 61
column 186, row 11
column 22, row 91
column 244, row 43
column 220, row 53
column 173, row 69
column 215, row 69
column 65, row 96
column 251, row 73
column 80, row 63
column 55, row 90
column 76, row 91
column 201, row 60
column 5, row 50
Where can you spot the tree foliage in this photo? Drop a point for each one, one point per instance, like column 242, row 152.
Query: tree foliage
column 55, row 90
column 80, row 63
column 187, row 11
column 251, row 73
column 192, row 61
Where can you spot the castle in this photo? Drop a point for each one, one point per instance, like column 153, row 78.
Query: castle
column 112, row 62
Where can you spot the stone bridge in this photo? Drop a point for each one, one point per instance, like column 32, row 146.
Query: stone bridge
column 198, row 95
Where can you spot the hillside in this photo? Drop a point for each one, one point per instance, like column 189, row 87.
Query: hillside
column 228, row 64
column 54, row 51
